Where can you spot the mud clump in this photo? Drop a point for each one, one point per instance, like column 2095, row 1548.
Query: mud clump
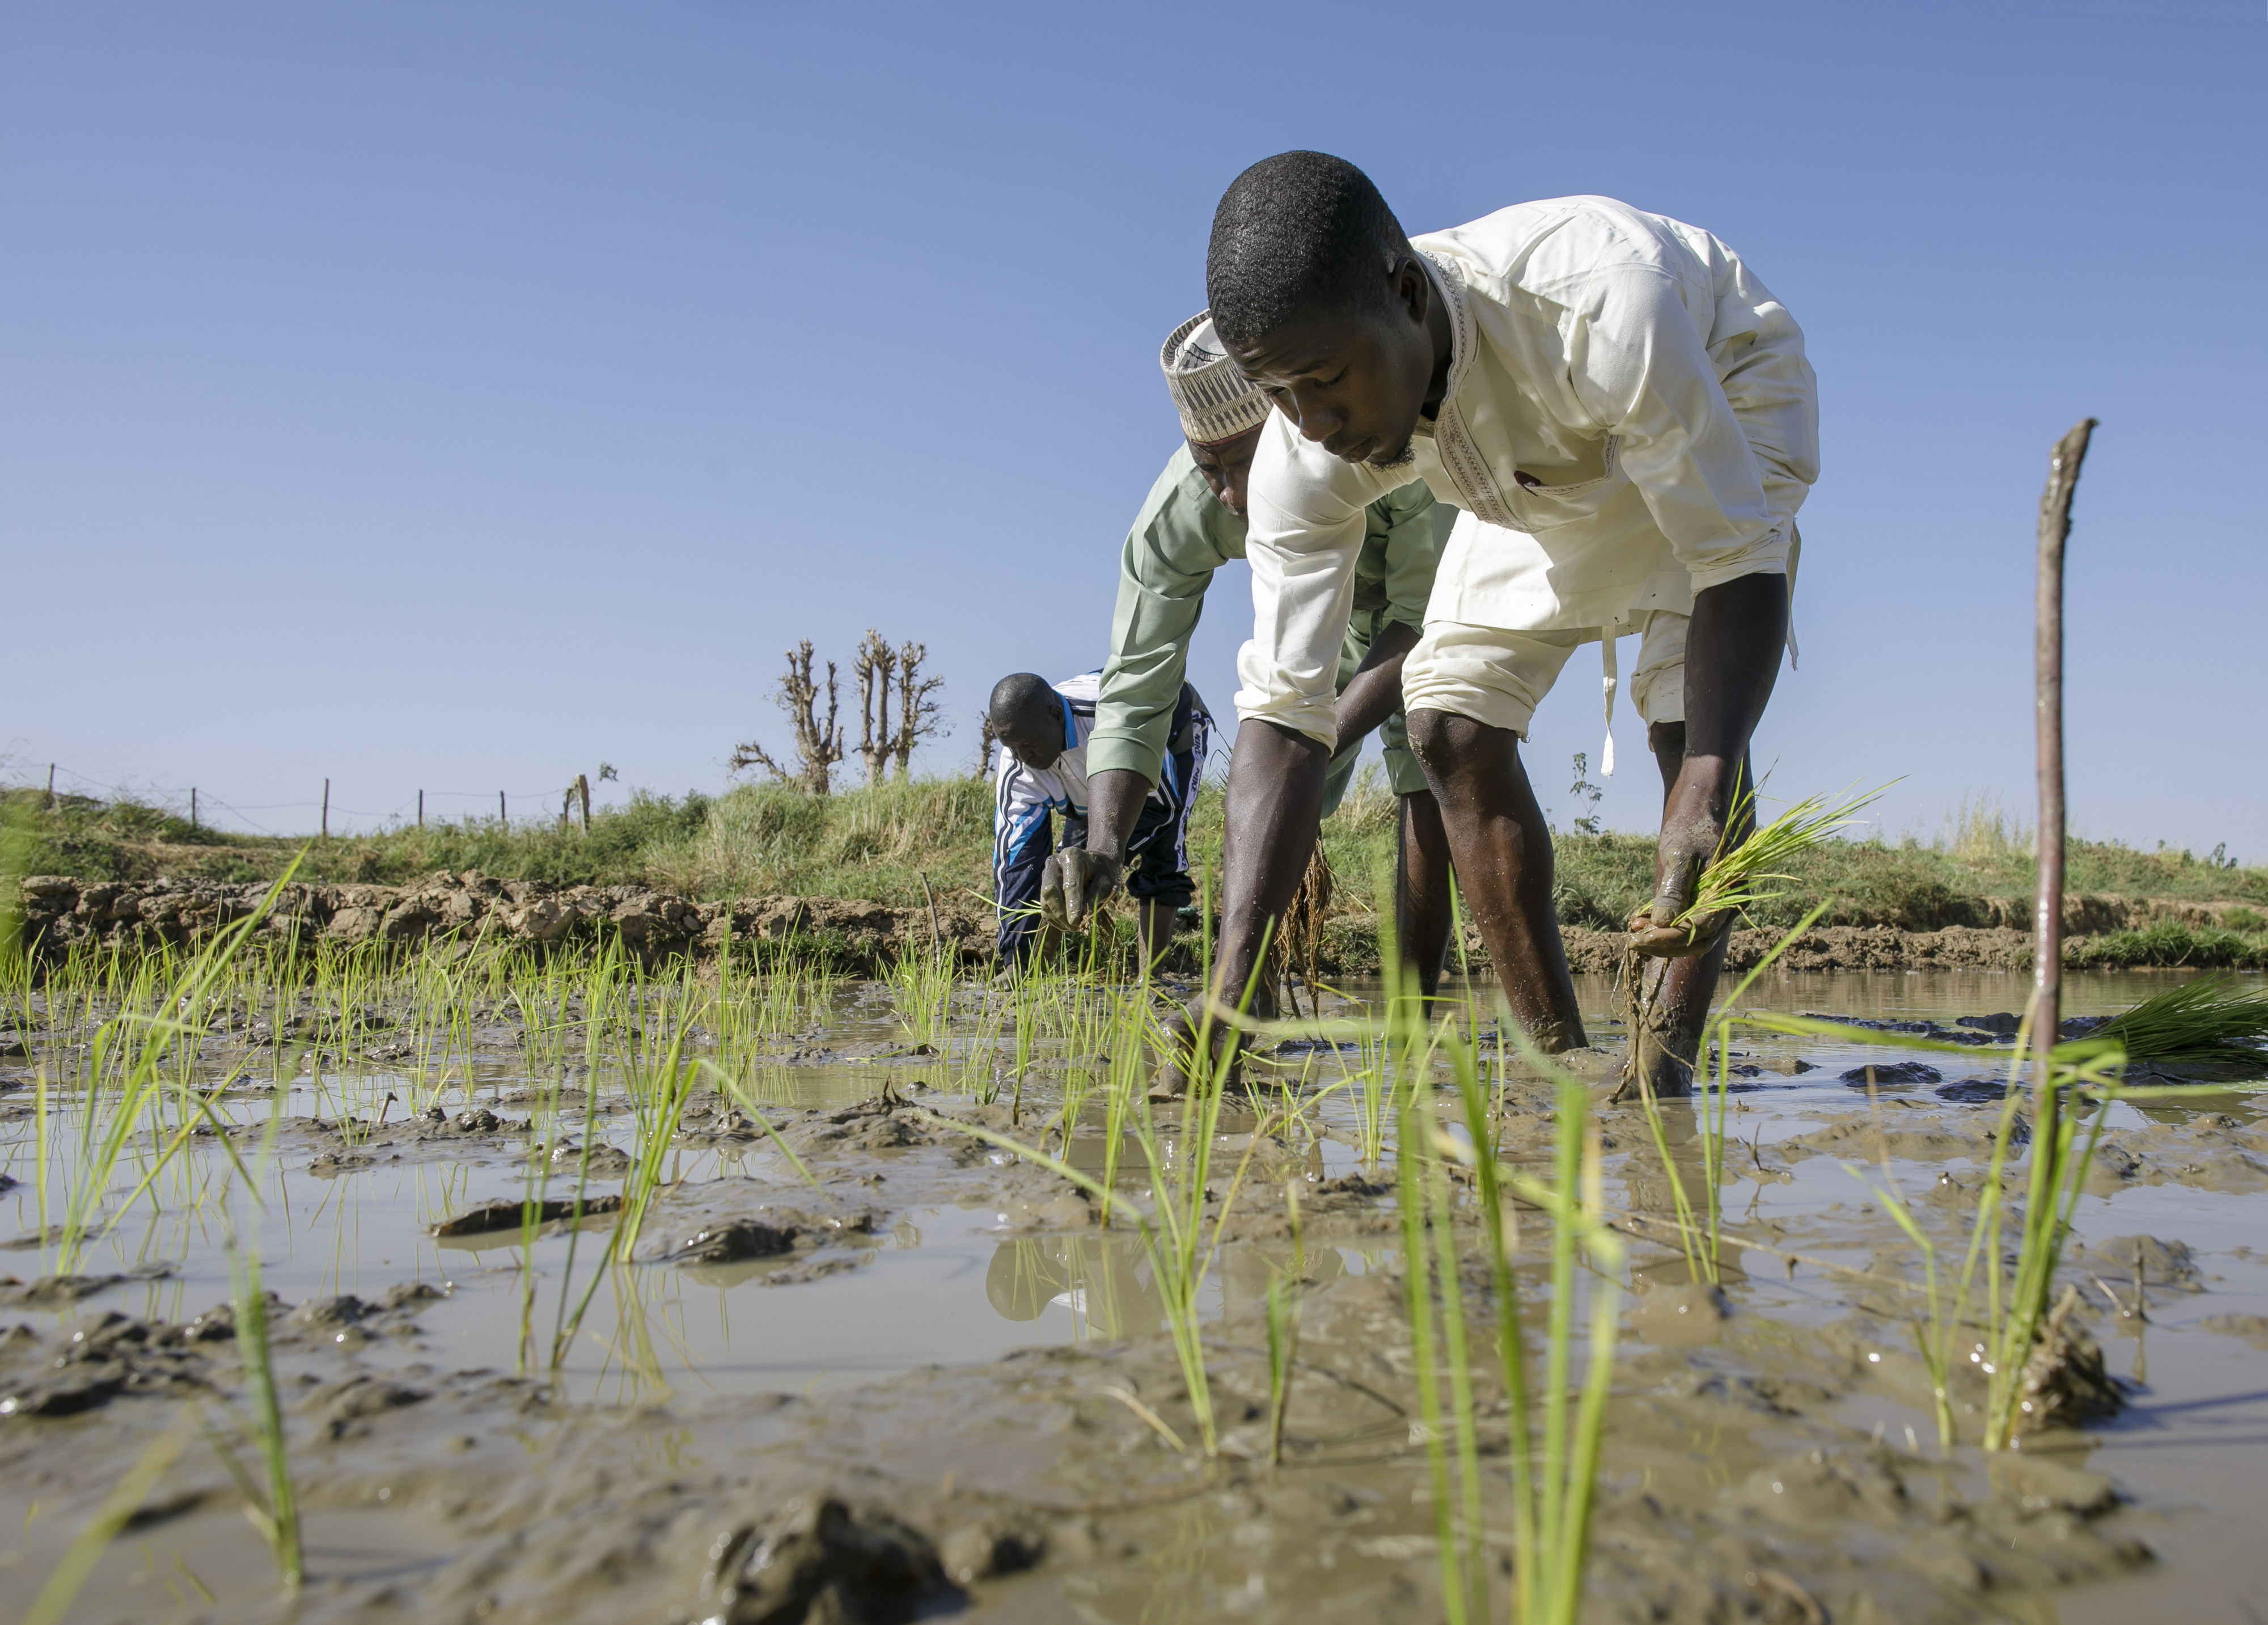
column 492, row 1217
column 821, row 1560
column 729, row 1244
column 2064, row 1382
column 1894, row 1075
column 774, row 1233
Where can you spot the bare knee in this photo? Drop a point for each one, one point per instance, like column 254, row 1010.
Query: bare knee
column 1429, row 734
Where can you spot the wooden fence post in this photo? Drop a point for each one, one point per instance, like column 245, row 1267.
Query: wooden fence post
column 421, row 809
column 327, row 809
column 2047, row 902
column 193, row 806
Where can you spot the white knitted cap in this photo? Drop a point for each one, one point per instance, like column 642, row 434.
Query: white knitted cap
column 1216, row 401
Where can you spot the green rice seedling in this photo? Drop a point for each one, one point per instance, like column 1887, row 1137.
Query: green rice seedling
column 133, row 1046
column 1551, row 1587
column 1932, row 1342
column 1736, row 878
column 1437, row 1322
column 1284, row 1328
column 737, row 1090
column 1174, row 1233
column 1700, row 1261
column 2204, row 1022
column 1701, row 1240
column 276, row 1515
column 1492, row 1201
column 2059, row 1168
column 53, row 1604
column 659, row 1084
column 921, row 984
column 1552, row 1497
column 1122, row 1091
column 2015, row 1292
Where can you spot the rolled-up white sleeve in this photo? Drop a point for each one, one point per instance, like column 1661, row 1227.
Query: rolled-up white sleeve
column 1642, row 368
column 1306, row 511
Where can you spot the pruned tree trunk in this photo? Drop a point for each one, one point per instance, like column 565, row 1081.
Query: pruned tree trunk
column 876, row 668
column 986, row 738
column 818, row 739
column 918, row 711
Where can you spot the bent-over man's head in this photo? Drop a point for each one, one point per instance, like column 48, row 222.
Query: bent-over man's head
column 1221, row 410
column 1027, row 717
column 1318, row 296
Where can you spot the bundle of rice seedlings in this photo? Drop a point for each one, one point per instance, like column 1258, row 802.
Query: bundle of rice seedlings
column 1300, row 942
column 1738, row 879
column 2200, row 1022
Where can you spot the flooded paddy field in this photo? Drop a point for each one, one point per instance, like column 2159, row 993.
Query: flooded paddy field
column 595, row 1294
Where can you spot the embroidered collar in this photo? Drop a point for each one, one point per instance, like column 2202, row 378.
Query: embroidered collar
column 1453, row 440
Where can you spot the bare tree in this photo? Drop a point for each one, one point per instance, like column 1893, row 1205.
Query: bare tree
column 876, row 669
column 818, row 743
column 918, row 714
column 986, row 738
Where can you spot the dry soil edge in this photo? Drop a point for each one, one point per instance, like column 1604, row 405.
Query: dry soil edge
column 461, row 911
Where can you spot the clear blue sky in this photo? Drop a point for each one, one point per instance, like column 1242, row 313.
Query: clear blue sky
column 457, row 396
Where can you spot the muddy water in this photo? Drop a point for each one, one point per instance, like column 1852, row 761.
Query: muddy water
column 939, row 1333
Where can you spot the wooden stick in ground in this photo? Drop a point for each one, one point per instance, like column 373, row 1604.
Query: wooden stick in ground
column 2047, row 906
column 936, row 937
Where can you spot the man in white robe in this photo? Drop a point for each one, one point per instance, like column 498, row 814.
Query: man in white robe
column 1626, row 416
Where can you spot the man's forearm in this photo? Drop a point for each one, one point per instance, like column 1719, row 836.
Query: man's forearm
column 1732, row 659
column 1374, row 693
column 1114, row 802
column 1275, row 804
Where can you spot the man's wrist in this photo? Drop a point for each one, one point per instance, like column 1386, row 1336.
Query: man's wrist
column 1704, row 784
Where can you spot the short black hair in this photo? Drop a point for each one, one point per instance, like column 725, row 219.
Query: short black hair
column 1295, row 231
column 1022, row 703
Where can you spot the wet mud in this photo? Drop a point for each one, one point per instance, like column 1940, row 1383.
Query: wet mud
column 927, row 1379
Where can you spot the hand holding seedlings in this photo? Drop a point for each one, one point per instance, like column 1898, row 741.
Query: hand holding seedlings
column 1693, row 904
column 1673, row 926
column 1075, row 883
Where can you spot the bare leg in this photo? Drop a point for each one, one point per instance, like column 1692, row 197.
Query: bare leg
column 1502, row 849
column 1153, row 929
column 1670, row 1046
column 1423, row 914
column 1275, row 809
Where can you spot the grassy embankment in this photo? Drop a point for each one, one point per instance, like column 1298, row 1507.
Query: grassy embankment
column 762, row 840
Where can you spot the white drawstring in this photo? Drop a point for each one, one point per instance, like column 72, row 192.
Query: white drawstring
column 1612, row 678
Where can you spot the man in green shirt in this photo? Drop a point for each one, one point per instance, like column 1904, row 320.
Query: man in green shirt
column 1192, row 524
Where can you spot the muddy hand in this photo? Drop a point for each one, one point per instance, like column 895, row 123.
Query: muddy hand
column 1073, row 883
column 1652, row 932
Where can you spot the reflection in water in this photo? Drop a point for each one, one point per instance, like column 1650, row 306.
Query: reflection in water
column 1108, row 1284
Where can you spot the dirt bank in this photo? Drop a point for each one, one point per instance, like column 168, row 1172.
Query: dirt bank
column 471, row 908
column 860, row 936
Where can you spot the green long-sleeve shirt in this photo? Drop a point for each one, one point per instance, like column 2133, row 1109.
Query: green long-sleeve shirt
column 1184, row 533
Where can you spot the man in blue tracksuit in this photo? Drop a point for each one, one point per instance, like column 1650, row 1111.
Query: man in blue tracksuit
column 1043, row 728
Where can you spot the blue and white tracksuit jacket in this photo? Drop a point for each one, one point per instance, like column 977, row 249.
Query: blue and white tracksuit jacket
column 1026, row 798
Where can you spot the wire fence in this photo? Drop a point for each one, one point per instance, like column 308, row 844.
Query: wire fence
column 198, row 803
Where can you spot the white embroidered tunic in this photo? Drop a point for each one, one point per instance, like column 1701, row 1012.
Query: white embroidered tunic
column 1629, row 412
